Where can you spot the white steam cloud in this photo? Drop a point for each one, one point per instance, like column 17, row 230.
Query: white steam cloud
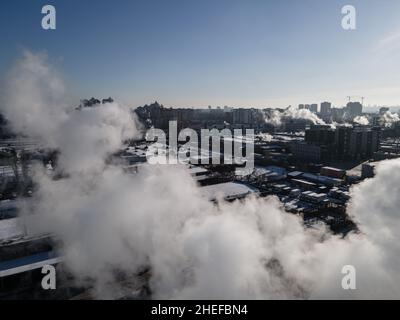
column 109, row 220
column 276, row 117
column 363, row 120
column 35, row 106
column 389, row 118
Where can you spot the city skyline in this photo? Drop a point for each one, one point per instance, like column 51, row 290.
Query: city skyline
column 220, row 150
column 263, row 54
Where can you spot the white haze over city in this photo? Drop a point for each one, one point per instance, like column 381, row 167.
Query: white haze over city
column 157, row 218
column 276, row 117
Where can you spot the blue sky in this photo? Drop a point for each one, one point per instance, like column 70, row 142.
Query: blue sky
column 254, row 53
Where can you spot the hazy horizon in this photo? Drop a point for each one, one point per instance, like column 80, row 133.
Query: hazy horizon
column 258, row 54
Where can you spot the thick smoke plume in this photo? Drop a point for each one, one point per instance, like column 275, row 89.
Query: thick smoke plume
column 277, row 118
column 389, row 118
column 363, row 120
column 158, row 218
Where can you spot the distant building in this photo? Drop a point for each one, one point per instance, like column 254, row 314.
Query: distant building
column 337, row 114
column 320, row 134
column 354, row 109
column 375, row 119
column 358, row 142
column 93, row 102
column 109, row 100
column 342, row 143
column 295, row 125
column 314, row 108
column 242, row 116
column 158, row 116
column 326, row 108
column 307, row 152
column 383, row 110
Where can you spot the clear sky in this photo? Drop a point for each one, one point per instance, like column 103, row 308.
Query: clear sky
column 254, row 53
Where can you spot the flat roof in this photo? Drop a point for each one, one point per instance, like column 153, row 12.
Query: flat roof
column 196, row 170
column 333, row 169
column 8, row 204
column 295, row 173
column 11, row 228
column 304, row 182
column 10, row 267
column 227, row 190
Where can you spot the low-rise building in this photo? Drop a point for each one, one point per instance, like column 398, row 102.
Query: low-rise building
column 228, row 191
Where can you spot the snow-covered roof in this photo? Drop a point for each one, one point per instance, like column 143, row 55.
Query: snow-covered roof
column 227, row 190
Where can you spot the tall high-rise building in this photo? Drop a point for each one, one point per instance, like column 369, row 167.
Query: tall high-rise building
column 356, row 142
column 320, row 134
column 314, row 108
column 344, row 142
column 326, row 108
column 354, row 109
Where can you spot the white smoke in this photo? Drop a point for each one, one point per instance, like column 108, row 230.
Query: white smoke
column 363, row 120
column 389, row 118
column 276, row 118
column 42, row 90
column 158, row 218
column 35, row 106
column 265, row 137
column 375, row 206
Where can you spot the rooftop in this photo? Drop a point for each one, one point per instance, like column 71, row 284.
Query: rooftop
column 11, row 228
column 227, row 190
column 8, row 268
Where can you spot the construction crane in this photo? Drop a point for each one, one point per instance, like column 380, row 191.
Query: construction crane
column 362, row 98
